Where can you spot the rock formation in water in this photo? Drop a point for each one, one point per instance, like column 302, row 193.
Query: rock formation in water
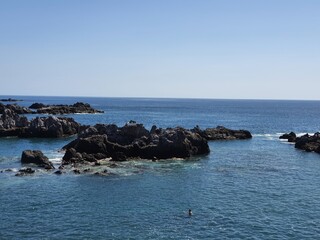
column 309, row 143
column 78, row 107
column 9, row 100
column 25, row 172
column 222, row 133
column 14, row 108
column 134, row 141
column 12, row 124
column 51, row 127
column 291, row 137
column 36, row 157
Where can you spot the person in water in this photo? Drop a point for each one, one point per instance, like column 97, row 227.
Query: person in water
column 190, row 212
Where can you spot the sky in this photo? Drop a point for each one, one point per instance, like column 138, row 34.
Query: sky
column 229, row 49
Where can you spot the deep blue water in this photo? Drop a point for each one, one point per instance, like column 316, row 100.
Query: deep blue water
column 261, row 188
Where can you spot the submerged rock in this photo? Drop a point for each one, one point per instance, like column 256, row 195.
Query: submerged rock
column 25, row 171
column 36, row 157
column 134, row 141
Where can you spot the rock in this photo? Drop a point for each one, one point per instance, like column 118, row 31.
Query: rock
column 15, row 108
column 58, row 172
column 9, row 100
column 133, row 141
column 51, row 127
column 78, row 107
column 25, row 171
column 309, row 143
column 11, row 124
column 291, row 137
column 37, row 105
column 36, row 157
column 222, row 133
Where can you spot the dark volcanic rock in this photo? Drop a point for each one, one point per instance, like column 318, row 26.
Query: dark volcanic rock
column 51, row 127
column 222, row 133
column 134, row 141
column 309, row 143
column 36, row 157
column 14, row 108
column 25, row 172
column 9, row 100
column 78, row 107
column 11, row 124
column 37, row 106
column 291, row 137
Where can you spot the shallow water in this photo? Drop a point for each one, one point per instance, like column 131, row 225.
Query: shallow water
column 261, row 188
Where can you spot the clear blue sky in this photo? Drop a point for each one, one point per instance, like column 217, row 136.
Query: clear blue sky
column 256, row 49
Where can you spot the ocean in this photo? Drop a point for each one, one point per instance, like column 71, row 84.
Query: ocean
column 261, row 188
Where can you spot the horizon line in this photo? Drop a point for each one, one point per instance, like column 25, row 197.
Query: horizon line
column 174, row 98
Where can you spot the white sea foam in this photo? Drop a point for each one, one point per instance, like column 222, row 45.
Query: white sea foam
column 55, row 160
column 275, row 136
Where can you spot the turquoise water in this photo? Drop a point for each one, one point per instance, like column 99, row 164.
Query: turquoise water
column 261, row 188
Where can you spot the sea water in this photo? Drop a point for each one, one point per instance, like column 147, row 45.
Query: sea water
column 261, row 188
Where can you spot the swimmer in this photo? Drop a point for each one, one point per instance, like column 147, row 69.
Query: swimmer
column 190, row 212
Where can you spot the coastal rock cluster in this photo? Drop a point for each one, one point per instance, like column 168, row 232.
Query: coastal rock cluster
column 9, row 100
column 40, row 108
column 222, row 133
column 309, row 143
column 134, row 141
column 14, row 108
column 78, row 107
column 12, row 124
column 104, row 143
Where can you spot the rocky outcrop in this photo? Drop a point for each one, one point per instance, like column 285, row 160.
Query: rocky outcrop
column 134, row 141
column 14, row 108
column 51, row 127
column 12, row 124
column 9, row 100
column 78, row 107
column 36, row 157
column 222, row 133
column 291, row 137
column 309, row 143
column 25, row 172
